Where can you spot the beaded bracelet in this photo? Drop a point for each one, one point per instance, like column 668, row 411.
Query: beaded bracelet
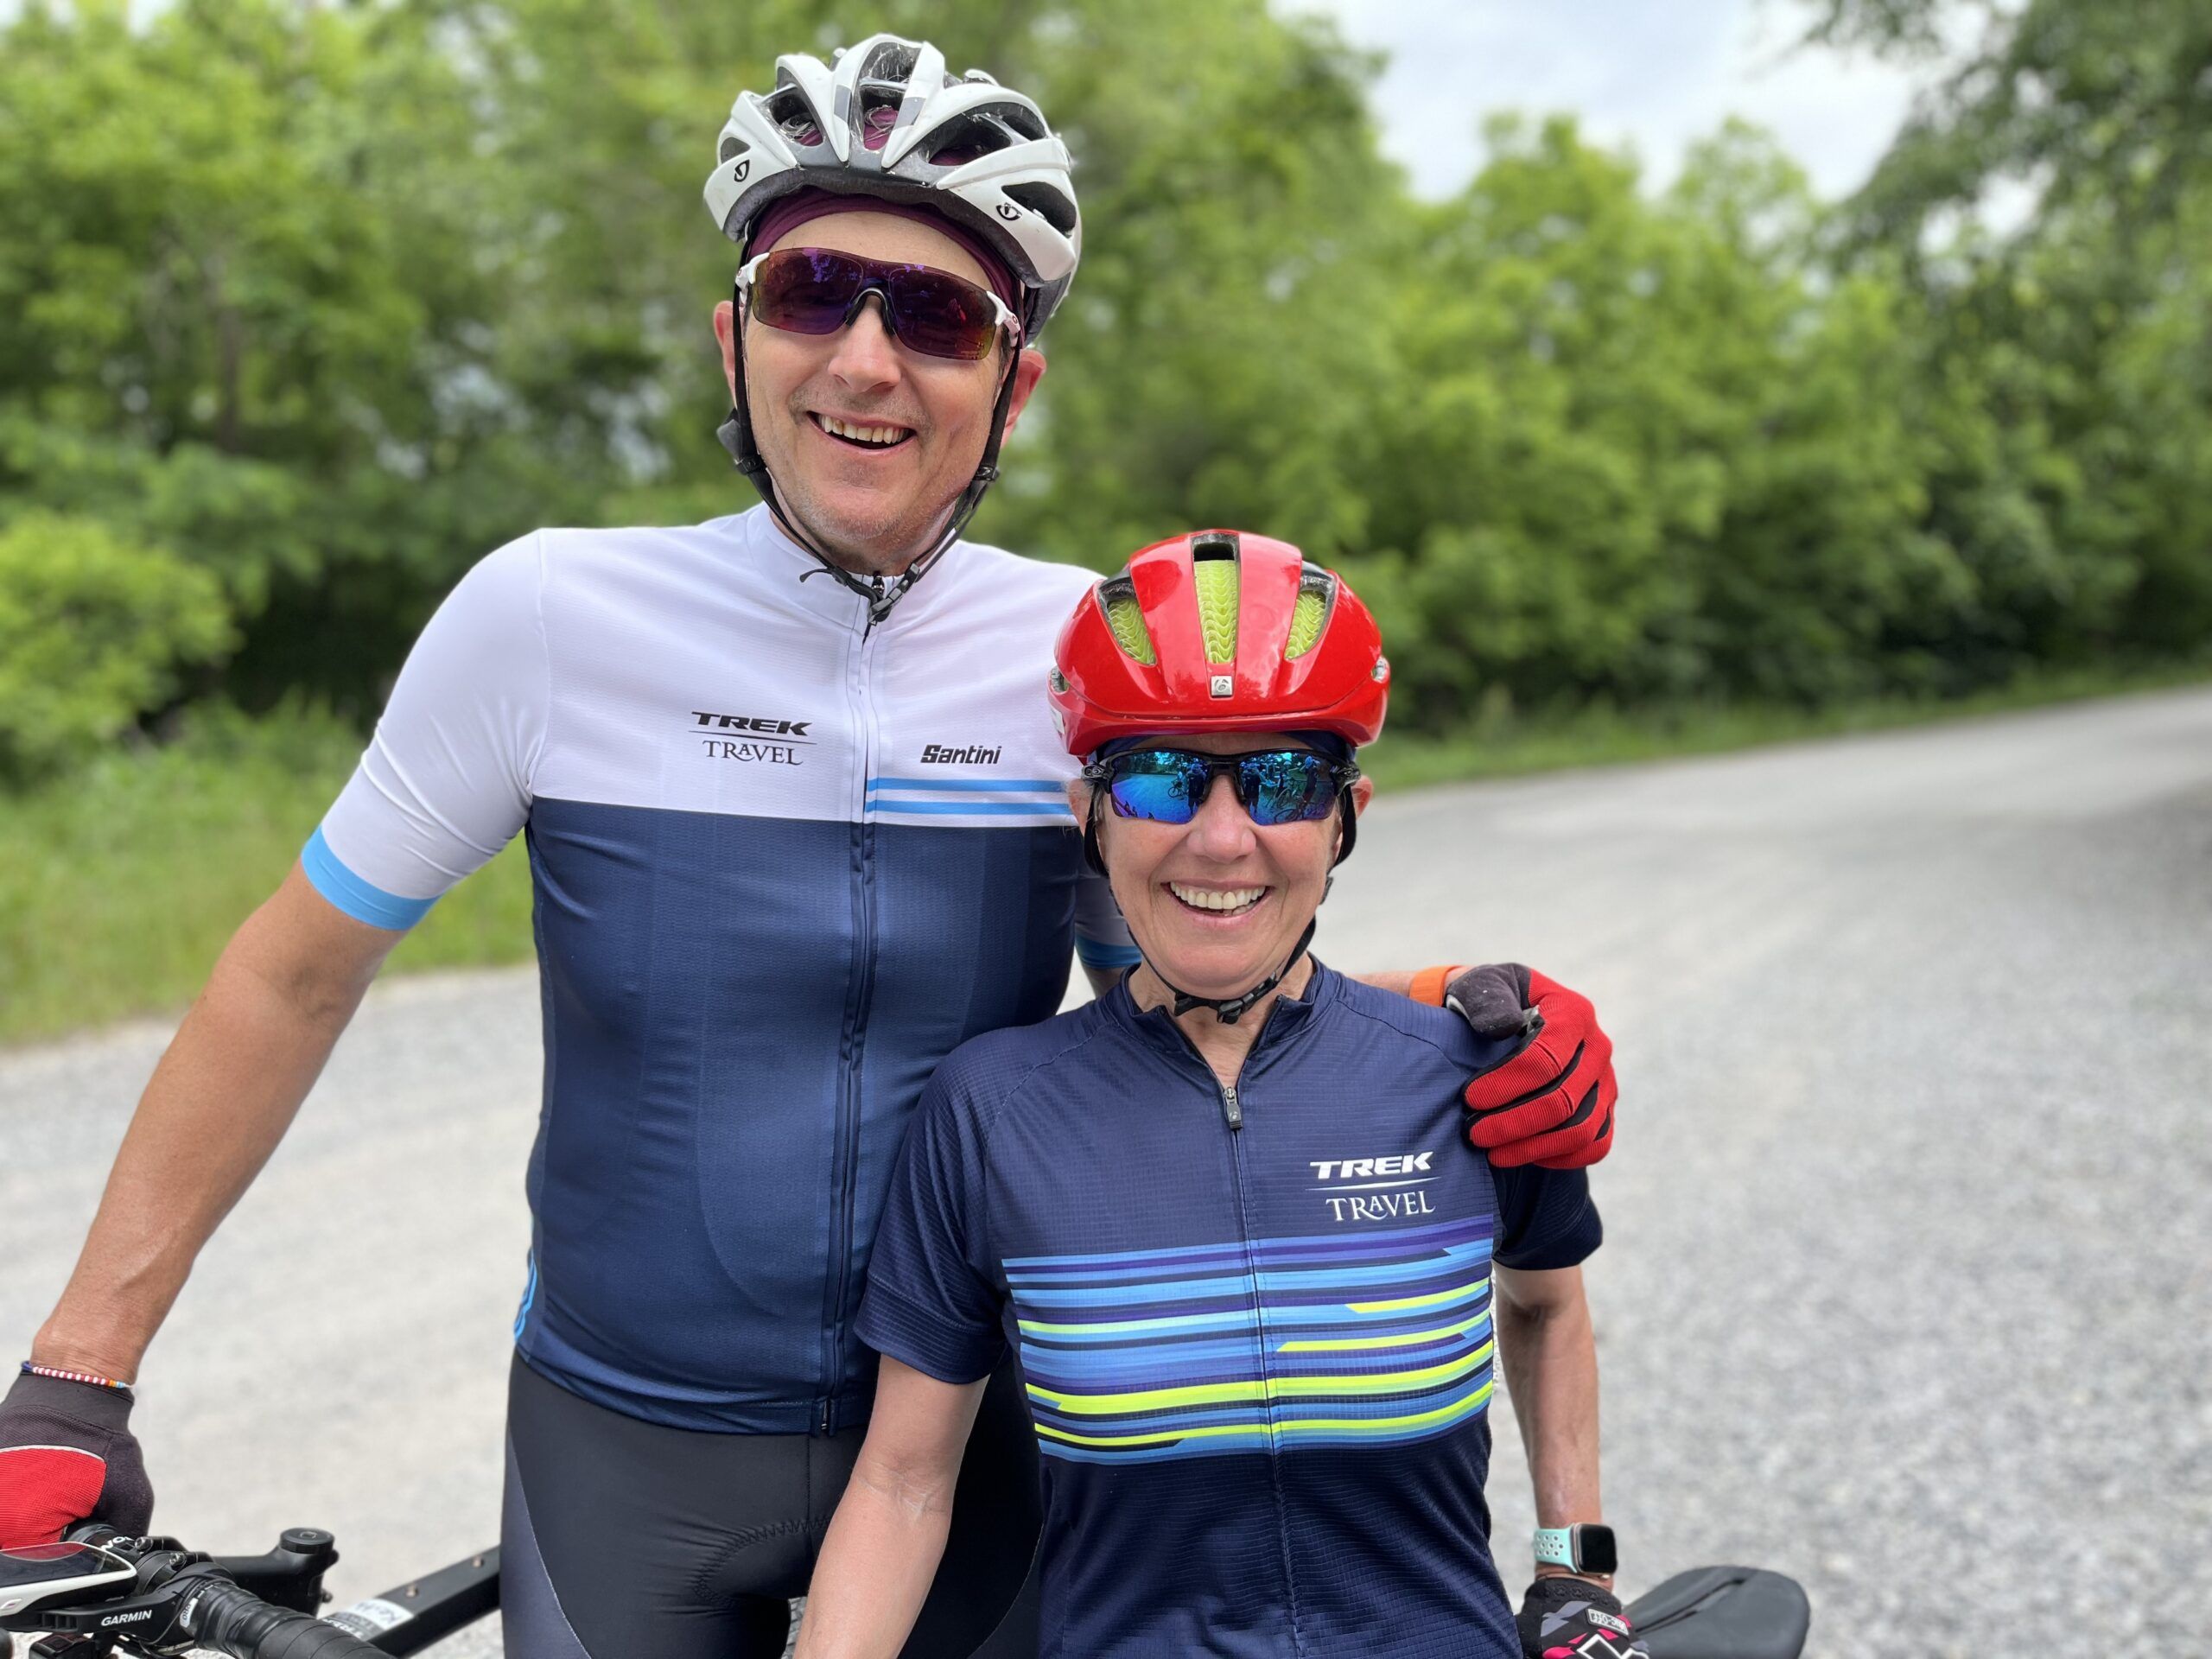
column 60, row 1376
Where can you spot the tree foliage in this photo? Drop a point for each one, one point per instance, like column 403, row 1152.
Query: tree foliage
column 92, row 629
column 304, row 306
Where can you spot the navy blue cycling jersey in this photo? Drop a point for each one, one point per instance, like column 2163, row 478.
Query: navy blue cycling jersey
column 1255, row 1323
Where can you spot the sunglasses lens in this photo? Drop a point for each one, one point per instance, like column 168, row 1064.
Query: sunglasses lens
column 1286, row 786
column 1158, row 785
column 940, row 316
column 805, row 290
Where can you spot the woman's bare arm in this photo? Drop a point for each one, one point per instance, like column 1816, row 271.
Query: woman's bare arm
column 1550, row 1356
column 888, row 1534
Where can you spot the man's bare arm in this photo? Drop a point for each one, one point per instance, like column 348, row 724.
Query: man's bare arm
column 1400, row 981
column 889, row 1534
column 220, row 1099
column 1550, row 1355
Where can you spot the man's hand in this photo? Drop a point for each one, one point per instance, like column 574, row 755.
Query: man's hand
column 67, row 1454
column 1566, row 1618
column 1551, row 1101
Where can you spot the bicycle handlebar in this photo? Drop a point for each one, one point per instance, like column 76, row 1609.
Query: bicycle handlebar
column 231, row 1619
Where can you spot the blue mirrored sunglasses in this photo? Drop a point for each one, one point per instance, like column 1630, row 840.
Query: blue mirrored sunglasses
column 1274, row 787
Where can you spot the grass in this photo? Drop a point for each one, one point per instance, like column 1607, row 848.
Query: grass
column 119, row 884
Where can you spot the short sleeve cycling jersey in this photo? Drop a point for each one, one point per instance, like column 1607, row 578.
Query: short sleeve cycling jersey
column 782, row 864
column 1255, row 1324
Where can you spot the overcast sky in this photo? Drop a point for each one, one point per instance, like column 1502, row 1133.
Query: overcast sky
column 1656, row 74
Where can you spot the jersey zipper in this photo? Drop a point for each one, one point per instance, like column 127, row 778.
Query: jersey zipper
column 845, row 1173
column 1232, row 1116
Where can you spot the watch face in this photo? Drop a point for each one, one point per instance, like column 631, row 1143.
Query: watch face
column 1594, row 1550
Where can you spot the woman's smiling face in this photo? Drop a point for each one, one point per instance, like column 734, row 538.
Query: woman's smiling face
column 1216, row 905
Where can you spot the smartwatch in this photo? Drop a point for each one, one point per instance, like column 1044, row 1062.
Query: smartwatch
column 1579, row 1549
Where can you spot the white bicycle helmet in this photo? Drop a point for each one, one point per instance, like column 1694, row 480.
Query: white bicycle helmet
column 886, row 119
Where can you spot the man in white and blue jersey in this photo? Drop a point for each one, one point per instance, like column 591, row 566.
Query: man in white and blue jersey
column 794, row 805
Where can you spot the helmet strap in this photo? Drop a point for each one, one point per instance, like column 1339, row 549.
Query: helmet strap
column 1230, row 1009
column 736, row 436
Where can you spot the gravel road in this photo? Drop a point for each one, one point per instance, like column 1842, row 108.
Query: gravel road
column 1909, row 1258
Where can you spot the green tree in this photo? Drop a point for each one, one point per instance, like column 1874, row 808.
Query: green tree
column 92, row 629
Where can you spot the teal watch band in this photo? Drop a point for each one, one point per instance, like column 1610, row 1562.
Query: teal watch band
column 1587, row 1549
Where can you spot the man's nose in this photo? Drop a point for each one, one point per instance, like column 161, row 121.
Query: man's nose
column 866, row 357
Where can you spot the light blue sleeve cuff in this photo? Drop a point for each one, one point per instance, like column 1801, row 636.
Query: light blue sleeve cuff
column 362, row 900
column 1105, row 954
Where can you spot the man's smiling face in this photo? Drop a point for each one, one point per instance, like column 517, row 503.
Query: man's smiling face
column 868, row 442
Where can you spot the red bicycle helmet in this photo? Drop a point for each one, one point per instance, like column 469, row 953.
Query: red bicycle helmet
column 1219, row 630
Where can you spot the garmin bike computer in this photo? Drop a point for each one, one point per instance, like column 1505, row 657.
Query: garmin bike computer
column 41, row 1575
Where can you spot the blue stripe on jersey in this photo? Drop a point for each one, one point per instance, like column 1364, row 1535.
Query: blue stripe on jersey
column 1027, row 809
column 363, row 900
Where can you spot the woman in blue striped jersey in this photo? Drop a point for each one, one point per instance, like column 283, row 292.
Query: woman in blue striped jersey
column 1258, row 1280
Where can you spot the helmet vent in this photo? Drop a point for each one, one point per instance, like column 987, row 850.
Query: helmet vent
column 733, row 147
column 1126, row 617
column 1047, row 203
column 794, row 116
column 1317, row 588
column 976, row 134
column 1214, row 575
column 891, row 61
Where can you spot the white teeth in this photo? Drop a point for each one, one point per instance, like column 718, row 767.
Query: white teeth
column 877, row 434
column 1216, row 898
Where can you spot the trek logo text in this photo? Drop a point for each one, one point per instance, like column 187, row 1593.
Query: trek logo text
column 739, row 737
column 1375, row 1189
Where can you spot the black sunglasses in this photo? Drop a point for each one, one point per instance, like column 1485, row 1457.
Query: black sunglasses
column 818, row 291
column 1274, row 786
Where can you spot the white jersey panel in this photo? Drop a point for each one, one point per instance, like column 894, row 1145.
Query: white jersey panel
column 446, row 781
column 703, row 669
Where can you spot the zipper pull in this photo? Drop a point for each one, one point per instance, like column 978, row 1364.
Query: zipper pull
column 1230, row 1112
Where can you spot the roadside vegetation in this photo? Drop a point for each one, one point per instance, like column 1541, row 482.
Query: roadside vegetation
column 304, row 308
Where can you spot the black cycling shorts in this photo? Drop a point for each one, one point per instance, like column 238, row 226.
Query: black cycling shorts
column 626, row 1538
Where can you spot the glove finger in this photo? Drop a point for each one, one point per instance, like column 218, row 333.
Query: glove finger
column 44, row 1490
column 1545, row 1063
column 1591, row 1120
column 1502, row 1126
column 1548, row 1155
column 1491, row 999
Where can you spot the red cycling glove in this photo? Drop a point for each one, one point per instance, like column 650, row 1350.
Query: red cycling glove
column 67, row 1454
column 1551, row 1101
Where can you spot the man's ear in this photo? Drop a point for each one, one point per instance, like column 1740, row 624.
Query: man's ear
column 725, row 336
column 1080, row 800
column 1028, row 369
column 1363, row 791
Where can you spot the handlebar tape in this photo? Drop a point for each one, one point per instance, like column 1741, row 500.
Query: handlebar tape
column 234, row 1620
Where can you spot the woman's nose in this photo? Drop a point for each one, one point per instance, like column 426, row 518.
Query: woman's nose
column 1223, row 828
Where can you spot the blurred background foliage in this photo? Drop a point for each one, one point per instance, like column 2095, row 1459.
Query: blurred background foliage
column 303, row 308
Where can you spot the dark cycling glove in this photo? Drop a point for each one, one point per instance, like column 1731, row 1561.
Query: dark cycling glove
column 67, row 1454
column 1573, row 1618
column 1550, row 1103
